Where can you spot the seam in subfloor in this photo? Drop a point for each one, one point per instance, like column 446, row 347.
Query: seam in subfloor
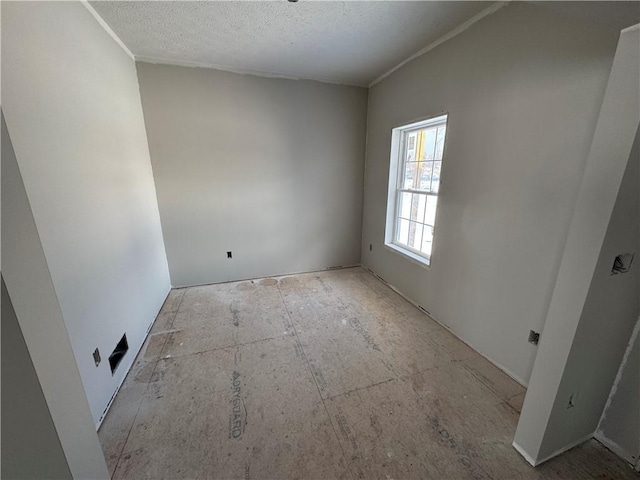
column 155, row 366
column 227, row 347
column 359, row 389
column 346, row 464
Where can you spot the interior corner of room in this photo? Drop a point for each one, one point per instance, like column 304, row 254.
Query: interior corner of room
column 125, row 175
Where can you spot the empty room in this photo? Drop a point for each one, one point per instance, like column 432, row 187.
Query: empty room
column 303, row 239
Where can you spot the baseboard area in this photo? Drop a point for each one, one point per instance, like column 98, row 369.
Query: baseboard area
column 505, row 370
column 339, row 267
column 524, row 454
column 614, row 447
column 144, row 340
column 560, row 451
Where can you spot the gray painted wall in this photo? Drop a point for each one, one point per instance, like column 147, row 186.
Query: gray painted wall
column 591, row 313
column 609, row 314
column 72, row 105
column 270, row 169
column 31, row 447
column 619, row 427
column 34, row 301
column 523, row 89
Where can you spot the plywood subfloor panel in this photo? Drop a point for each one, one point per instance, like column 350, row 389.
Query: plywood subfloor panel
column 322, row 375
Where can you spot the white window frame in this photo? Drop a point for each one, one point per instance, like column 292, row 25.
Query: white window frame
column 396, row 176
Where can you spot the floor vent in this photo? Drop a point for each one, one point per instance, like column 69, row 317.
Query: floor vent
column 118, row 353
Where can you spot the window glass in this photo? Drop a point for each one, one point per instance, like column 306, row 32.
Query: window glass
column 419, row 167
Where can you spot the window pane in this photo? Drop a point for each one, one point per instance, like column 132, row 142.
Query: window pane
column 430, row 216
column 429, row 143
column 440, row 142
column 411, row 145
column 427, row 240
column 414, row 208
column 419, row 170
column 425, row 177
column 415, row 235
column 419, row 154
column 402, row 233
column 409, row 175
column 435, row 182
column 410, row 154
column 405, row 205
column 422, row 203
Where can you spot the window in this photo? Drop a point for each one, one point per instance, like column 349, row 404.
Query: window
column 414, row 182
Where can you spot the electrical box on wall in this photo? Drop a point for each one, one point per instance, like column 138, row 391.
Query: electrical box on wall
column 622, row 263
column 534, row 337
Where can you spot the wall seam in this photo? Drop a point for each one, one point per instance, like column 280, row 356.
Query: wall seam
column 107, row 28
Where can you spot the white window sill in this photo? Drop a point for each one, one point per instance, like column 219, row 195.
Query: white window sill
column 409, row 255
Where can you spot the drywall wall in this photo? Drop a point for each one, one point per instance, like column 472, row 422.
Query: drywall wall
column 523, row 88
column 269, row 169
column 35, row 304
column 591, row 313
column 31, row 445
column 607, row 320
column 619, row 426
column 72, row 106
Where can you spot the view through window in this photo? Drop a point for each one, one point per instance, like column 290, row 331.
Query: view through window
column 420, row 152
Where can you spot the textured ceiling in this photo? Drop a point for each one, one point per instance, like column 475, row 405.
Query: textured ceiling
column 344, row 42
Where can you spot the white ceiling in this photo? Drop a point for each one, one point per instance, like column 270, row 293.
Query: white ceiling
column 343, row 42
column 353, row 42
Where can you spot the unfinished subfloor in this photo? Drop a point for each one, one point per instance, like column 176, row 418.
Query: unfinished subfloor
column 321, row 375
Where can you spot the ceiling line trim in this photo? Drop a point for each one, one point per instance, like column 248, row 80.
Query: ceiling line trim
column 107, row 28
column 239, row 70
column 448, row 36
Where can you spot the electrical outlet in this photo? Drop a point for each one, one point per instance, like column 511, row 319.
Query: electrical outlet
column 534, row 337
column 96, row 357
